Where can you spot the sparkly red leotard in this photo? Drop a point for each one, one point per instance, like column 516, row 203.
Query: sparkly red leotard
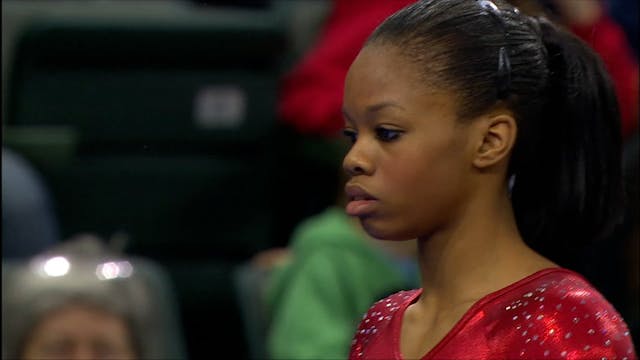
column 551, row 314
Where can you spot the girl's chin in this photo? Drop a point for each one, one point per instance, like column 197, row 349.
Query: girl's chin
column 381, row 233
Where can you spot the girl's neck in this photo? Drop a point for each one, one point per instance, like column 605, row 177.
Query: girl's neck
column 481, row 253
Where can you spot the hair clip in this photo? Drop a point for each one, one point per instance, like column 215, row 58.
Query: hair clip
column 504, row 73
column 504, row 63
column 489, row 5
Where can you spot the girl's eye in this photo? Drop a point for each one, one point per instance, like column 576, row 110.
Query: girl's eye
column 352, row 135
column 385, row 134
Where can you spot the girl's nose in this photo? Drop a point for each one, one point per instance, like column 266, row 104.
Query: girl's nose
column 356, row 162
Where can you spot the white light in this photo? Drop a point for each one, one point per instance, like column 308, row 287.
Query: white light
column 107, row 271
column 56, row 266
column 125, row 269
column 111, row 270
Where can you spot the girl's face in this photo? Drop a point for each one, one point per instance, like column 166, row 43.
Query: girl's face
column 410, row 158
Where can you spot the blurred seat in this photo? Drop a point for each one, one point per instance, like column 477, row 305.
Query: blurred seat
column 251, row 282
column 168, row 118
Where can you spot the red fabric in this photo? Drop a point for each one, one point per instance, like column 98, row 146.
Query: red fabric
column 552, row 314
column 311, row 95
column 608, row 39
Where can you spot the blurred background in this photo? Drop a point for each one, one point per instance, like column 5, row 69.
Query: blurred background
column 153, row 124
column 172, row 131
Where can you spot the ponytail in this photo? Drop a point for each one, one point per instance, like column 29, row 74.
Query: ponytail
column 568, row 188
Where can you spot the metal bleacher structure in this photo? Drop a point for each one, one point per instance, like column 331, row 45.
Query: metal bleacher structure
column 154, row 122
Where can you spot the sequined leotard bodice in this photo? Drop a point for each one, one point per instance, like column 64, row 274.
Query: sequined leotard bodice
column 551, row 314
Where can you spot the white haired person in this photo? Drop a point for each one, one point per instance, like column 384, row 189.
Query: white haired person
column 81, row 301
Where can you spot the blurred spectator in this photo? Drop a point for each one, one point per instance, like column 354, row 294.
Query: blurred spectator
column 80, row 301
column 305, row 301
column 589, row 20
column 29, row 224
column 311, row 94
column 334, row 274
column 80, row 330
column 626, row 14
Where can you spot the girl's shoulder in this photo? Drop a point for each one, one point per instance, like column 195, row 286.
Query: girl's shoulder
column 375, row 322
column 555, row 313
column 391, row 304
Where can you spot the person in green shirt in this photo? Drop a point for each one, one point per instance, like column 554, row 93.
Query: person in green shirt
column 334, row 274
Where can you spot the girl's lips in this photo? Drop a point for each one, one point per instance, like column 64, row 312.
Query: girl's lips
column 361, row 207
column 360, row 202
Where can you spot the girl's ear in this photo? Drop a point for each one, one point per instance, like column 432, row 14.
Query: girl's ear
column 497, row 135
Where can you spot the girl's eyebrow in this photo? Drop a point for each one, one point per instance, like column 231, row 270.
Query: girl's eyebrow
column 374, row 108
column 379, row 106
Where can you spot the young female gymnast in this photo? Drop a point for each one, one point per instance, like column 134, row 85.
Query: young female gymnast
column 493, row 138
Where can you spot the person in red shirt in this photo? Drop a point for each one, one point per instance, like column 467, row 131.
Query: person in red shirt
column 595, row 27
column 311, row 94
column 494, row 139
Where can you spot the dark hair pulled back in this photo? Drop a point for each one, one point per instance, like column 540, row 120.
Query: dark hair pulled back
column 566, row 160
